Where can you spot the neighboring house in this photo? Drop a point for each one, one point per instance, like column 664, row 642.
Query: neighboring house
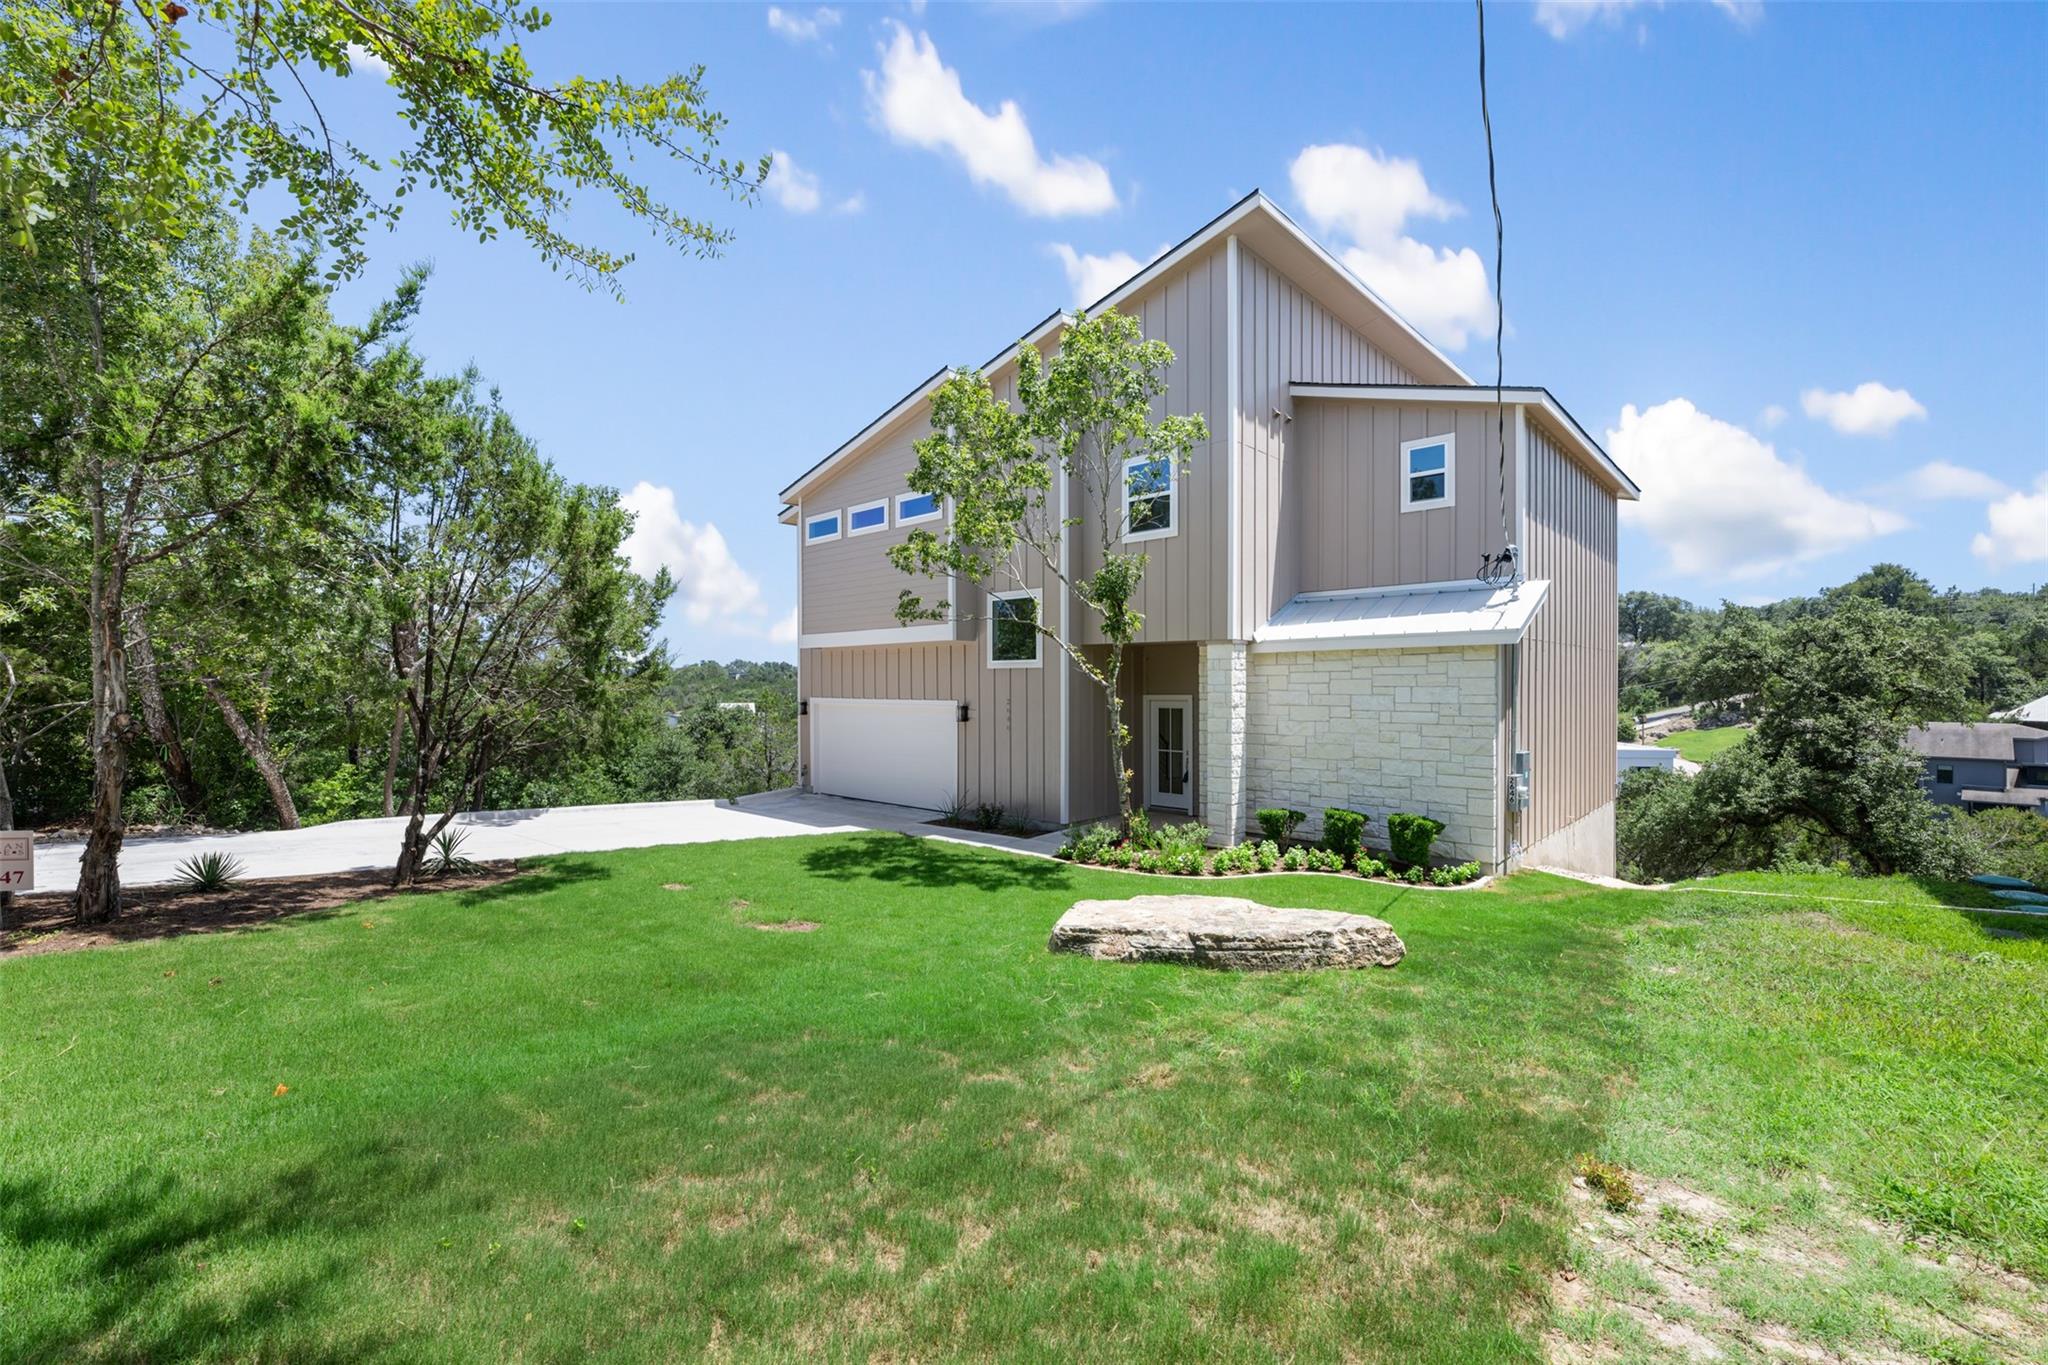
column 2034, row 712
column 1629, row 757
column 1313, row 635
column 1979, row 766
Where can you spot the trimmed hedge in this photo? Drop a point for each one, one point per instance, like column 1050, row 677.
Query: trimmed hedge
column 1409, row 837
column 1343, row 832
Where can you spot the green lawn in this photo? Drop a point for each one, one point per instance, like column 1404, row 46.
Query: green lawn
column 597, row 1110
column 1700, row 745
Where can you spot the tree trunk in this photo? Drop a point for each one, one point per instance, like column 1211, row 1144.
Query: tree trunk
column 259, row 753
column 156, row 717
column 1118, row 740
column 98, row 898
column 391, row 756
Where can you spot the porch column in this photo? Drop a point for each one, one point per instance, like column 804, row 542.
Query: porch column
column 1221, row 706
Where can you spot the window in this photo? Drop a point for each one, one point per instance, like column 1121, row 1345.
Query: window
column 868, row 516
column 1427, row 467
column 912, row 508
column 1944, row 776
column 2033, row 775
column 1013, row 630
column 822, row 527
column 1150, row 498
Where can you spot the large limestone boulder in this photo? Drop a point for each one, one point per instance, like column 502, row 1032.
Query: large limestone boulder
column 1224, row 931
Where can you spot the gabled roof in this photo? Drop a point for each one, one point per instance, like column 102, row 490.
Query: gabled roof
column 1267, row 229
column 1957, row 739
column 2034, row 712
column 1552, row 413
column 1414, row 615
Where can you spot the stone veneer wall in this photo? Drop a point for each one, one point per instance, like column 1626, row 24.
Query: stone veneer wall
column 1222, row 673
column 1379, row 731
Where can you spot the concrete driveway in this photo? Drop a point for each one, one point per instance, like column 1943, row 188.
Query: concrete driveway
column 348, row 845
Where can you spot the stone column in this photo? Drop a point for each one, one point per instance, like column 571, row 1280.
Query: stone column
column 1221, row 706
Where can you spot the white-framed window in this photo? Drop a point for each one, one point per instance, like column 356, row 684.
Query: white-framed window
column 823, row 526
column 1151, row 498
column 1428, row 472
column 1013, row 629
column 867, row 517
column 911, row 508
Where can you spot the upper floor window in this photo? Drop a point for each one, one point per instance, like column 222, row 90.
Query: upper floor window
column 1013, row 629
column 824, row 526
column 868, row 516
column 1944, row 776
column 1151, row 499
column 912, row 508
column 1427, row 469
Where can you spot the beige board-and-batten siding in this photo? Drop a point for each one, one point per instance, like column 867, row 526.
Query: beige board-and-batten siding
column 1568, row 661
column 1379, row 731
column 1285, row 337
column 1009, row 745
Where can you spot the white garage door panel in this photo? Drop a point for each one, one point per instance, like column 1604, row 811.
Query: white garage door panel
column 906, row 752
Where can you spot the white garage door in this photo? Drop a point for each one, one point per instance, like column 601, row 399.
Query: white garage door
column 906, row 752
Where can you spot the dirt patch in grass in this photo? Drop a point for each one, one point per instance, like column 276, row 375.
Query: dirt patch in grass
column 1683, row 1277
column 42, row 923
column 786, row 926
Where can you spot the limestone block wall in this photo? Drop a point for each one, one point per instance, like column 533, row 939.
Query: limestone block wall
column 1222, row 675
column 1380, row 731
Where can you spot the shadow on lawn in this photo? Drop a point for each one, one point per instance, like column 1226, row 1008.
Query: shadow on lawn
column 537, row 880
column 888, row 857
column 139, row 1255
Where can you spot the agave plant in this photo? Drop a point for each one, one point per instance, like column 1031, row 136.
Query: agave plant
column 446, row 860
column 209, row 872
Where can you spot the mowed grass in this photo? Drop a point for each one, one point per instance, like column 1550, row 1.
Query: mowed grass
column 599, row 1110
column 1700, row 745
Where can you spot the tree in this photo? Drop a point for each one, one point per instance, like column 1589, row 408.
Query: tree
column 215, row 116
column 523, row 612
column 1087, row 417
column 1893, row 585
column 1647, row 617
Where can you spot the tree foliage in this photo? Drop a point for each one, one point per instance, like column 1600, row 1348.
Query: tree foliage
column 1090, row 419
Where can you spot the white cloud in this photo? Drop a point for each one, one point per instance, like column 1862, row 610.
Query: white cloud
column 856, row 202
column 1870, row 409
column 783, row 632
column 360, row 57
column 1090, row 277
column 711, row 587
column 918, row 100
column 2018, row 531
column 790, row 185
column 1940, row 481
column 1723, row 504
column 1772, row 417
column 1369, row 197
column 800, row 28
column 1562, row 18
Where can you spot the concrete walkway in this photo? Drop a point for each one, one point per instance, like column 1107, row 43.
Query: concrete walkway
column 349, row 845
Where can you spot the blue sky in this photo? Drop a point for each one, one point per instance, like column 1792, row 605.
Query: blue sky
column 1788, row 260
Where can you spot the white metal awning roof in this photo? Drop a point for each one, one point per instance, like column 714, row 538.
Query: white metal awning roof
column 1413, row 616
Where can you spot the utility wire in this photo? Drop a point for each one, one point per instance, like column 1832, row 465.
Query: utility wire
column 1501, row 569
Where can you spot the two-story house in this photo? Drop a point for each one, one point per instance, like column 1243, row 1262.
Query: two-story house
column 1980, row 766
column 1314, row 631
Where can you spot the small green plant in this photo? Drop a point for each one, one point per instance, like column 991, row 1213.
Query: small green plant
column 1140, row 829
column 1194, row 835
column 447, row 858
column 1116, row 855
column 1087, row 843
column 1295, row 859
column 1150, row 860
column 1369, row 866
column 1456, row 875
column 1278, row 824
column 1182, row 861
column 1409, row 837
column 1266, row 855
column 1235, row 859
column 1613, row 1182
column 1325, row 860
column 214, row 871
column 988, row 816
column 1343, row 831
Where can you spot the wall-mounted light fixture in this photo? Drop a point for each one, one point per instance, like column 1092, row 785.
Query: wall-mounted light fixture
column 963, row 713
column 803, row 708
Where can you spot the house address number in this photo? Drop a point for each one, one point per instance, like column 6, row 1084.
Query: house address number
column 17, row 862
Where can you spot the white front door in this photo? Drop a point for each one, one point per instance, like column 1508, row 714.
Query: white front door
column 1169, row 752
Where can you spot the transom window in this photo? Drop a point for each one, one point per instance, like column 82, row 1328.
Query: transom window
column 912, row 508
column 1428, row 468
column 1013, row 629
column 1151, row 498
column 824, row 526
column 868, row 516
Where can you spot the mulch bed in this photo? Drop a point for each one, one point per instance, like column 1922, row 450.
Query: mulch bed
column 41, row 922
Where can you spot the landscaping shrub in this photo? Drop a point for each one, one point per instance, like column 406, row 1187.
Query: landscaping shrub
column 1087, row 843
column 1295, row 859
column 208, row 872
column 1229, row 861
column 1149, row 860
column 1343, row 831
column 988, row 817
column 1190, row 837
column 1278, row 824
column 1182, row 861
column 1267, row 855
column 446, row 859
column 1415, row 875
column 1325, row 860
column 1455, row 876
column 1409, row 837
column 1369, row 866
column 1141, row 829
